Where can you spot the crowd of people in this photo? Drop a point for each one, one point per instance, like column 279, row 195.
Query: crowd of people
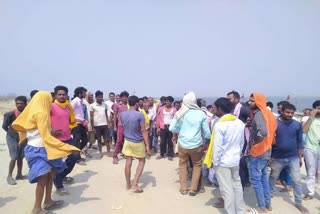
column 228, row 143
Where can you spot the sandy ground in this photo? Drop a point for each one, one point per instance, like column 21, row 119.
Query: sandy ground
column 100, row 188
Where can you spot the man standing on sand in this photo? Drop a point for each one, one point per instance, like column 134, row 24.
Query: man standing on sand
column 311, row 127
column 62, row 120
column 110, row 104
column 118, row 110
column 153, row 137
column 79, row 133
column 243, row 113
column 164, row 117
column 287, row 152
column 91, row 136
column 99, row 121
column 262, row 134
column 190, row 123
column 136, row 142
column 12, row 137
column 228, row 140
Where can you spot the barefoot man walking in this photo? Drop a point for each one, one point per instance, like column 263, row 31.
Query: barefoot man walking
column 135, row 142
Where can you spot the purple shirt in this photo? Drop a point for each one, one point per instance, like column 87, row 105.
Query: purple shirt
column 132, row 121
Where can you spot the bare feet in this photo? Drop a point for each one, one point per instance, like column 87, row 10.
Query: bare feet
column 302, row 209
column 115, row 160
column 128, row 186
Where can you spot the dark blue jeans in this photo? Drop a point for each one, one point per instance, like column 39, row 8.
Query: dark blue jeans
column 70, row 162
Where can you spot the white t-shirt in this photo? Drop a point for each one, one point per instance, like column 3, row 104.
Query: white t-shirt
column 109, row 104
column 167, row 116
column 99, row 114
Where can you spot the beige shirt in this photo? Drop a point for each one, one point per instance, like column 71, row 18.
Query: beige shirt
column 99, row 114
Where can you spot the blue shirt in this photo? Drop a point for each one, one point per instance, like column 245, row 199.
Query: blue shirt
column 131, row 121
column 190, row 129
column 288, row 139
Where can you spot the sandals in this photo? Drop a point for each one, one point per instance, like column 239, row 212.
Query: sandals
column 219, row 203
column 183, row 192
column 191, row 193
column 21, row 177
column 159, row 157
column 252, row 211
column 43, row 212
column 54, row 205
column 307, row 197
column 137, row 190
column 68, row 180
column 11, row 181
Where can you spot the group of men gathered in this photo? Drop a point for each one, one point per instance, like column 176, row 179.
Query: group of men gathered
column 236, row 142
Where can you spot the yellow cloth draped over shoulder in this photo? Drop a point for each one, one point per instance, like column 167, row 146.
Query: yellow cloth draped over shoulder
column 146, row 118
column 209, row 156
column 36, row 115
column 72, row 120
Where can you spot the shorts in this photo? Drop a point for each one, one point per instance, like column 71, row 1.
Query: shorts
column 111, row 132
column 136, row 150
column 91, row 137
column 16, row 152
column 101, row 131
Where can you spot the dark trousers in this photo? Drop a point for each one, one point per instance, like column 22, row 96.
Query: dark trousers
column 70, row 162
column 166, row 142
column 243, row 171
column 80, row 136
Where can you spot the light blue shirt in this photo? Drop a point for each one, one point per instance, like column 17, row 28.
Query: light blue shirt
column 191, row 128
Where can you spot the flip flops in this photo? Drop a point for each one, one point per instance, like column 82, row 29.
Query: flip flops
column 183, row 192
column 137, row 190
column 21, row 177
column 11, row 181
column 54, row 205
column 307, row 197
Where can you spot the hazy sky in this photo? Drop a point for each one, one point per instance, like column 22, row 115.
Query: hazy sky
column 161, row 47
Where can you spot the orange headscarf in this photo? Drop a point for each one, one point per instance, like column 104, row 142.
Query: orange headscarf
column 271, row 123
column 36, row 115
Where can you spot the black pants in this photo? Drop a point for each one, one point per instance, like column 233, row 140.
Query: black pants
column 70, row 162
column 80, row 136
column 243, row 171
column 166, row 142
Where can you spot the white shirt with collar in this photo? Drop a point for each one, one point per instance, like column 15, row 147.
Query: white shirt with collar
column 228, row 143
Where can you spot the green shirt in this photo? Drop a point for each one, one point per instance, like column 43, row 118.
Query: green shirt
column 313, row 135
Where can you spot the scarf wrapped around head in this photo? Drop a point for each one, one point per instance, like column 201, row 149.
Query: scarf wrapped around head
column 271, row 124
column 72, row 120
column 189, row 102
column 36, row 115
